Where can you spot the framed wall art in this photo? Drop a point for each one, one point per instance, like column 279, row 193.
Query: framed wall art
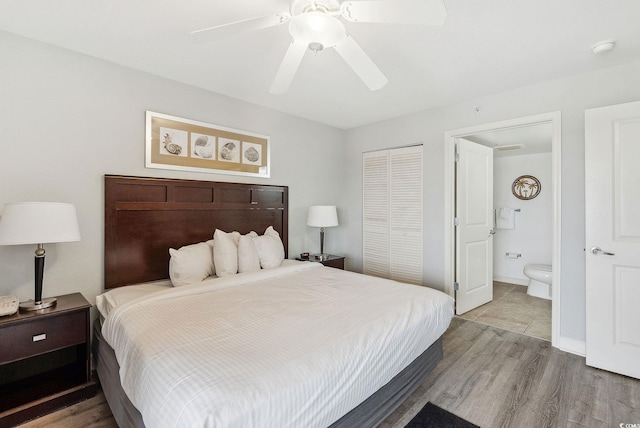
column 188, row 145
column 526, row 187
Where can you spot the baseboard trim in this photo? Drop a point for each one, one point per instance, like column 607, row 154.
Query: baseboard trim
column 517, row 281
column 573, row 346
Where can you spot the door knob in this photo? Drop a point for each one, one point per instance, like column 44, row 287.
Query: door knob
column 598, row 250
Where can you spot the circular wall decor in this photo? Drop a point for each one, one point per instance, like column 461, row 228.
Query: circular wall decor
column 526, row 187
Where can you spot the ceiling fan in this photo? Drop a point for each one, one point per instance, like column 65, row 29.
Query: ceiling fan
column 316, row 25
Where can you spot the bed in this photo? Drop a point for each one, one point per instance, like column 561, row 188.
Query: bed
column 297, row 344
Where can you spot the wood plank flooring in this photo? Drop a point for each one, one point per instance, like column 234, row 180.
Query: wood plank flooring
column 91, row 413
column 497, row 378
column 489, row 376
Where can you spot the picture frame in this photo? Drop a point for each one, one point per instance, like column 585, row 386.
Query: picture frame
column 526, row 187
column 187, row 145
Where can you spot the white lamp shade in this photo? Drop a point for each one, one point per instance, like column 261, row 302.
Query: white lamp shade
column 38, row 223
column 322, row 216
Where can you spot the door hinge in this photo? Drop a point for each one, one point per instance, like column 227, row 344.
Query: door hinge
column 456, row 286
column 456, row 221
column 457, row 157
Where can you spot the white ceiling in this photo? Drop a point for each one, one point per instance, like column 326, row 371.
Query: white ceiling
column 484, row 47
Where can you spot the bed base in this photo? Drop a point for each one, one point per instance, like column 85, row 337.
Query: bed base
column 369, row 413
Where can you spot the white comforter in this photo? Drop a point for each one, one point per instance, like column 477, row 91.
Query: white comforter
column 295, row 346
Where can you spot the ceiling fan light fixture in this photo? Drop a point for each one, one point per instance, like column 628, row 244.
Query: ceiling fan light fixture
column 315, row 47
column 318, row 28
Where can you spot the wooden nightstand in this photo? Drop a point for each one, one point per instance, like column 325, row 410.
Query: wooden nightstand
column 333, row 261
column 44, row 360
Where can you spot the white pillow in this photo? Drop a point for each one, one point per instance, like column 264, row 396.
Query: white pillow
column 225, row 252
column 191, row 263
column 248, row 260
column 270, row 249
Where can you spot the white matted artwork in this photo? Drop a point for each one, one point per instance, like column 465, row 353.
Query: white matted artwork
column 251, row 153
column 228, row 150
column 203, row 146
column 188, row 145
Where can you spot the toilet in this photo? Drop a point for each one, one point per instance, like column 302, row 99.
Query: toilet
column 539, row 280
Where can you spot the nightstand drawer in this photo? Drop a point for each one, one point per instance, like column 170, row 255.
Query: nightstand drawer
column 39, row 336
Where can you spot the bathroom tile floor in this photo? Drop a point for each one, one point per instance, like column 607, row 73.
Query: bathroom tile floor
column 514, row 310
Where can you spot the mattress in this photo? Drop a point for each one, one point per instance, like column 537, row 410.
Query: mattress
column 300, row 345
column 368, row 414
column 105, row 302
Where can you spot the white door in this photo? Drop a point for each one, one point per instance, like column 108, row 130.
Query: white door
column 474, row 232
column 612, row 200
column 405, row 214
column 392, row 214
column 375, row 213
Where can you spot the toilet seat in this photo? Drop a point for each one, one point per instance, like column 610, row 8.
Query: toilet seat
column 545, row 268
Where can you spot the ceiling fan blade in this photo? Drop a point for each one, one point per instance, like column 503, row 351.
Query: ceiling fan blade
column 233, row 28
column 360, row 62
column 417, row 12
column 288, row 67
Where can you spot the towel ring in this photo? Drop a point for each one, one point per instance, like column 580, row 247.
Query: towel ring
column 526, row 187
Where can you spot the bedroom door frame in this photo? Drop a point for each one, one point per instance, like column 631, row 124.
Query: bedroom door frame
column 449, row 202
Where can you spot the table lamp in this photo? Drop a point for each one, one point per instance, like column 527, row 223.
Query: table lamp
column 322, row 216
column 38, row 223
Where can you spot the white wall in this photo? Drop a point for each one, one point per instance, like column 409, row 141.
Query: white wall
column 570, row 95
column 68, row 119
column 533, row 233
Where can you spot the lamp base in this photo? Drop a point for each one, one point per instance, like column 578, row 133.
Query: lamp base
column 31, row 305
column 321, row 257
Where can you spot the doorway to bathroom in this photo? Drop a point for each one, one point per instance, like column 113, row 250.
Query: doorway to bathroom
column 522, row 147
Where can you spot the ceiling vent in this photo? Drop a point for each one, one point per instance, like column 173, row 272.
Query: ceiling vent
column 603, row 46
column 509, row 147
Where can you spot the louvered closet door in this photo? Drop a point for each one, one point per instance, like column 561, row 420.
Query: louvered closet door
column 375, row 210
column 405, row 207
column 392, row 214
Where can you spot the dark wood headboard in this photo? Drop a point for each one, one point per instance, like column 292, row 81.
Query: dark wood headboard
column 144, row 217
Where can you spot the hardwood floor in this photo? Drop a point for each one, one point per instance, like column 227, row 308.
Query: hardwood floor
column 489, row 376
column 92, row 413
column 497, row 378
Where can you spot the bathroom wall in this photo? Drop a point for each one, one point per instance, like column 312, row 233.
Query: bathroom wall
column 533, row 233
